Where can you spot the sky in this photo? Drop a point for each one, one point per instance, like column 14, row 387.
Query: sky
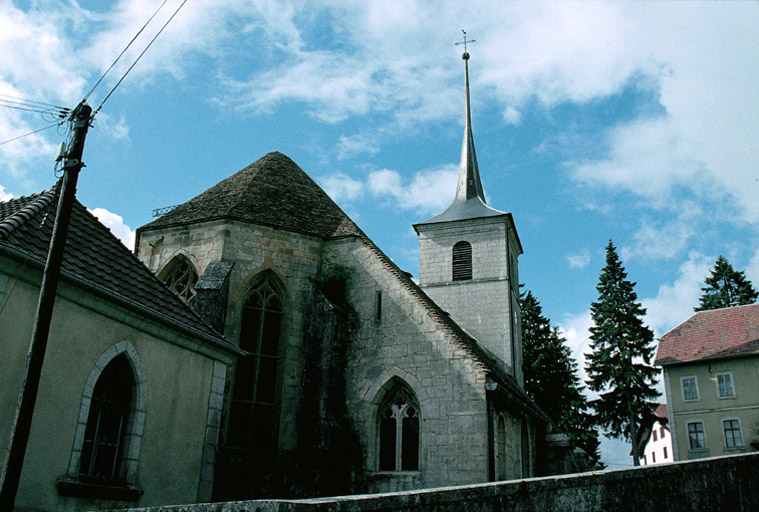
column 635, row 122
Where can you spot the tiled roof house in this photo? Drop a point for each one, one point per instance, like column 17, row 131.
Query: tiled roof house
column 711, row 374
column 119, row 338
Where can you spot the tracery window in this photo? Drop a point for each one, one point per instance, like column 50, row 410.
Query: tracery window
column 181, row 277
column 462, row 261
column 399, row 430
column 104, row 443
column 252, row 421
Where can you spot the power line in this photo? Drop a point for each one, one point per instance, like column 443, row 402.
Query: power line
column 123, row 51
column 30, row 133
column 139, row 57
column 25, row 101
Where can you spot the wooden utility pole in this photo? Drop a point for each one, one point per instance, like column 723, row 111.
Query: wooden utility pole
column 22, row 422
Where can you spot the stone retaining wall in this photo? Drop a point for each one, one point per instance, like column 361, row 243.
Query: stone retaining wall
column 723, row 483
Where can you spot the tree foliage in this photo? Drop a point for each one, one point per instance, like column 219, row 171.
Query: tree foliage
column 726, row 287
column 619, row 366
column 550, row 376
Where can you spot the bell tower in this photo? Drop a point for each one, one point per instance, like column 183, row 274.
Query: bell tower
column 468, row 260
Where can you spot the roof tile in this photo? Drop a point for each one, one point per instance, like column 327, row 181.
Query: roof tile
column 93, row 255
column 713, row 334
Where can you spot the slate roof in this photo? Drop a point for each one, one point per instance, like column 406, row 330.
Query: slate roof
column 95, row 259
column 713, row 334
column 273, row 191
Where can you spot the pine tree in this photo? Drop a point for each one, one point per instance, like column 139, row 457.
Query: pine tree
column 550, row 376
column 619, row 367
column 726, row 287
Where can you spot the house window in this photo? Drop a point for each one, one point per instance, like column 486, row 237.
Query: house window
column 252, row 422
column 462, row 261
column 104, row 437
column 399, row 430
column 690, row 388
column 732, row 433
column 654, row 435
column 725, row 385
column 653, row 458
column 661, row 432
column 665, row 452
column 696, row 437
column 180, row 277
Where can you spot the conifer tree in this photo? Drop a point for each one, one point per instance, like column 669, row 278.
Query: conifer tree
column 726, row 287
column 619, row 366
column 550, row 376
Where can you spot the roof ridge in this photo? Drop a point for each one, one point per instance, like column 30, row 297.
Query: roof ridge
column 36, row 204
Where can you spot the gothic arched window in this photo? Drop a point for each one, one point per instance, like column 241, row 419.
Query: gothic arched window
column 104, row 446
column 252, row 419
column 462, row 261
column 398, row 430
column 180, row 277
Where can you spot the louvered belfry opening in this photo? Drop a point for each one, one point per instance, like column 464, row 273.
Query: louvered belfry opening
column 462, row 261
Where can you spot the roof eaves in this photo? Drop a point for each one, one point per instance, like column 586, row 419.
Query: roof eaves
column 123, row 301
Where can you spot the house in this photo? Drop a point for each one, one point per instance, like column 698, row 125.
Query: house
column 131, row 388
column 655, row 442
column 711, row 377
column 358, row 379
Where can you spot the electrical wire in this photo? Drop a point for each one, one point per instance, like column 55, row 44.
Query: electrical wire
column 16, row 99
column 123, row 52
column 30, row 133
column 139, row 57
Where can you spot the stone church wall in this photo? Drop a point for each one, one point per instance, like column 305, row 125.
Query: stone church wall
column 407, row 343
column 293, row 258
column 470, row 302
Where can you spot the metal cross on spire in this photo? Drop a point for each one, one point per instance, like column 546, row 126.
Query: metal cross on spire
column 465, row 41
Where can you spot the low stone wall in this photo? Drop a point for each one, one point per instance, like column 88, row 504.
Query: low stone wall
column 722, row 483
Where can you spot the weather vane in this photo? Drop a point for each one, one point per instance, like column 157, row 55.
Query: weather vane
column 465, row 41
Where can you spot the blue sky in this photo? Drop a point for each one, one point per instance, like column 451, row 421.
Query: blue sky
column 631, row 121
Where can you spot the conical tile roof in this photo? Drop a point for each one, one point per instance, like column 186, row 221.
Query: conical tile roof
column 273, row 191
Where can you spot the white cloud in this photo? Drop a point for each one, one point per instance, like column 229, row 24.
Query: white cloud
column 580, row 259
column 575, row 329
column 5, row 196
column 674, row 303
column 116, row 224
column 350, row 146
column 342, row 187
column 429, row 191
column 659, row 240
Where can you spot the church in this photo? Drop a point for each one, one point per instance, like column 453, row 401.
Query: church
column 358, row 379
column 259, row 344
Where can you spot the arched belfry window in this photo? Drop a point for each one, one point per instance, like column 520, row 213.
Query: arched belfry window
column 252, row 421
column 398, row 426
column 462, row 261
column 180, row 276
column 104, row 445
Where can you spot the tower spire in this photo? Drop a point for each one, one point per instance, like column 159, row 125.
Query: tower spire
column 469, row 202
column 469, row 185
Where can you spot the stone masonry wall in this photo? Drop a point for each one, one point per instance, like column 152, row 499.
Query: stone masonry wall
column 406, row 342
column 293, row 258
column 725, row 483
